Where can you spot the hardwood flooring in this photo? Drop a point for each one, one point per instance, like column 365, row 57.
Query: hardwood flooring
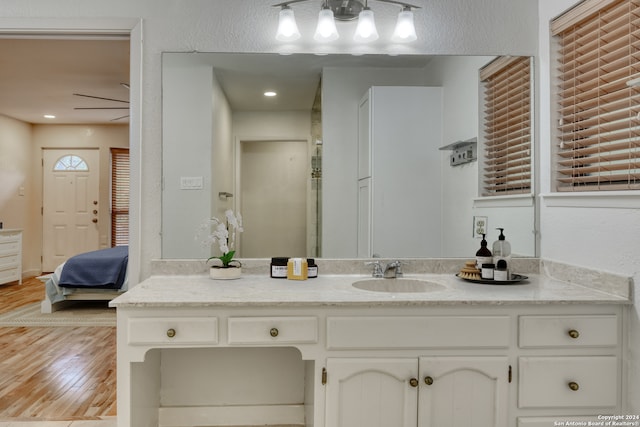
column 54, row 373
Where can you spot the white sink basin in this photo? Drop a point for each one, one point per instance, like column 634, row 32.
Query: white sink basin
column 397, row 285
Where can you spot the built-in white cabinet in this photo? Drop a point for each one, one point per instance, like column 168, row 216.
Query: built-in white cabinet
column 399, row 171
column 369, row 366
column 417, row 392
column 10, row 256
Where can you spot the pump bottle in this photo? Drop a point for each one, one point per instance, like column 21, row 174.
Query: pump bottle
column 502, row 249
column 483, row 256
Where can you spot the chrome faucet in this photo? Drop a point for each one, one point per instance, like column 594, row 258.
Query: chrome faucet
column 393, row 270
column 377, row 268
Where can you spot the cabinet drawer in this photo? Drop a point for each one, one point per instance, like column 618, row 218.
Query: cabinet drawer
column 561, row 382
column 196, row 330
column 568, row 331
column 269, row 330
column 418, row 332
column 9, row 274
column 9, row 247
column 8, row 261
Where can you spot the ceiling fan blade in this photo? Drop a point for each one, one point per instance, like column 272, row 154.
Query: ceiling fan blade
column 99, row 97
column 100, row 108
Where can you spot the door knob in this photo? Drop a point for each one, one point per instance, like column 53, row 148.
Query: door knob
column 94, row 220
column 274, row 332
column 413, row 382
column 428, row 380
column 95, row 202
column 95, row 212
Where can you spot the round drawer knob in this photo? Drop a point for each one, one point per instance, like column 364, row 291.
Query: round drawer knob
column 428, row 380
column 413, row 382
column 574, row 334
column 274, row 332
column 573, row 386
column 171, row 333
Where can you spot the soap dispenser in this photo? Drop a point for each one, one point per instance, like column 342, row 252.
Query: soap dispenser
column 502, row 248
column 483, row 256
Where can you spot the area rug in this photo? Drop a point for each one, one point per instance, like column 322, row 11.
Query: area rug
column 81, row 313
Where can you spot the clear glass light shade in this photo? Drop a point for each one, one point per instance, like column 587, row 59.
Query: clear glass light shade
column 405, row 30
column 366, row 30
column 326, row 30
column 287, row 27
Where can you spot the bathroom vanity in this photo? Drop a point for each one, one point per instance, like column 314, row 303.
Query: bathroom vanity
column 261, row 351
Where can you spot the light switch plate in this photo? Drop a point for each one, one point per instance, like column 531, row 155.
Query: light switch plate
column 191, row 183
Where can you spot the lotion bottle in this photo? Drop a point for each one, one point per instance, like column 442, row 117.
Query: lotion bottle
column 502, row 249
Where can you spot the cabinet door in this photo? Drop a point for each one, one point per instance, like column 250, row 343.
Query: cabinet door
column 463, row 392
column 364, row 218
column 364, row 137
column 363, row 392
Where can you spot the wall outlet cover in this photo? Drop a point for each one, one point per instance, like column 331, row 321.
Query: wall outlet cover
column 480, row 226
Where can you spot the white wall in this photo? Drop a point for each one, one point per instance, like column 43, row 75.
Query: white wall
column 594, row 232
column 483, row 27
column 16, row 152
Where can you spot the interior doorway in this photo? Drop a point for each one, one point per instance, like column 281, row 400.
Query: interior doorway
column 273, row 198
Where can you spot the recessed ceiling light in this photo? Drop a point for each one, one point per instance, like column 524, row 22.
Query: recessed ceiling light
column 270, row 93
column 49, row 116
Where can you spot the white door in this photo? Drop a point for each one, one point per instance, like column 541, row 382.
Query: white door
column 70, row 204
column 273, row 198
column 372, row 392
column 463, row 392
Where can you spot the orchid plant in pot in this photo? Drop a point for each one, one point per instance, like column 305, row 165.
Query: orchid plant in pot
column 223, row 233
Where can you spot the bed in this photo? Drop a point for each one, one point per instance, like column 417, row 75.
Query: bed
column 95, row 275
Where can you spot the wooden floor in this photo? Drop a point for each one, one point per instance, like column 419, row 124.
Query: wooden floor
column 54, row 373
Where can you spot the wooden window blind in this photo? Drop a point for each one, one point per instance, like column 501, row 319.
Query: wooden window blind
column 119, row 196
column 506, row 87
column 598, row 128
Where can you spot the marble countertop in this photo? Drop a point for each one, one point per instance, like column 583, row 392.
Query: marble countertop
column 198, row 290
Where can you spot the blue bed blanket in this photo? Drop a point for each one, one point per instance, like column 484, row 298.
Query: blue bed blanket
column 103, row 269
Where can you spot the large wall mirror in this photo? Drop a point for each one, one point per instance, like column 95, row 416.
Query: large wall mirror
column 291, row 163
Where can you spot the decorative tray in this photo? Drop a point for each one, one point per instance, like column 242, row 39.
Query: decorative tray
column 515, row 278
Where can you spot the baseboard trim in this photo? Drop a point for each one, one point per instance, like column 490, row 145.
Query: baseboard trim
column 253, row 415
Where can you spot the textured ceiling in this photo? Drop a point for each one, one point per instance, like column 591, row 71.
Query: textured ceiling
column 40, row 76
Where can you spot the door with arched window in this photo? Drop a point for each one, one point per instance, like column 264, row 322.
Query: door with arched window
column 70, row 204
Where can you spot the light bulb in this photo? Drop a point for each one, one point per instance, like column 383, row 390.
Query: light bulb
column 405, row 30
column 287, row 27
column 366, row 30
column 326, row 30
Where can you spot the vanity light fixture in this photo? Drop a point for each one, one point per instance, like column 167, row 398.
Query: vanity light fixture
column 270, row 94
column 49, row 116
column 346, row 10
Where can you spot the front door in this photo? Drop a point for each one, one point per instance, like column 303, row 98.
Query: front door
column 70, row 204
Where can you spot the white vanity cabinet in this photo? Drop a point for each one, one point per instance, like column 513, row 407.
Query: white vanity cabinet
column 569, row 363
column 349, row 364
column 10, row 255
column 419, row 389
column 399, row 166
column 424, row 392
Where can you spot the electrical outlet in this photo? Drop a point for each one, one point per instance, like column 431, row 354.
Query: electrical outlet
column 480, row 225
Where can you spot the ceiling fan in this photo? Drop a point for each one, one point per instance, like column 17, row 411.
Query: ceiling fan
column 126, row 85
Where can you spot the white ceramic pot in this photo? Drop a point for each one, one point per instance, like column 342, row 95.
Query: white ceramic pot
column 220, row 273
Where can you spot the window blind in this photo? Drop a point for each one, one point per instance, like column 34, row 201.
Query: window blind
column 598, row 128
column 506, row 87
column 119, row 196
